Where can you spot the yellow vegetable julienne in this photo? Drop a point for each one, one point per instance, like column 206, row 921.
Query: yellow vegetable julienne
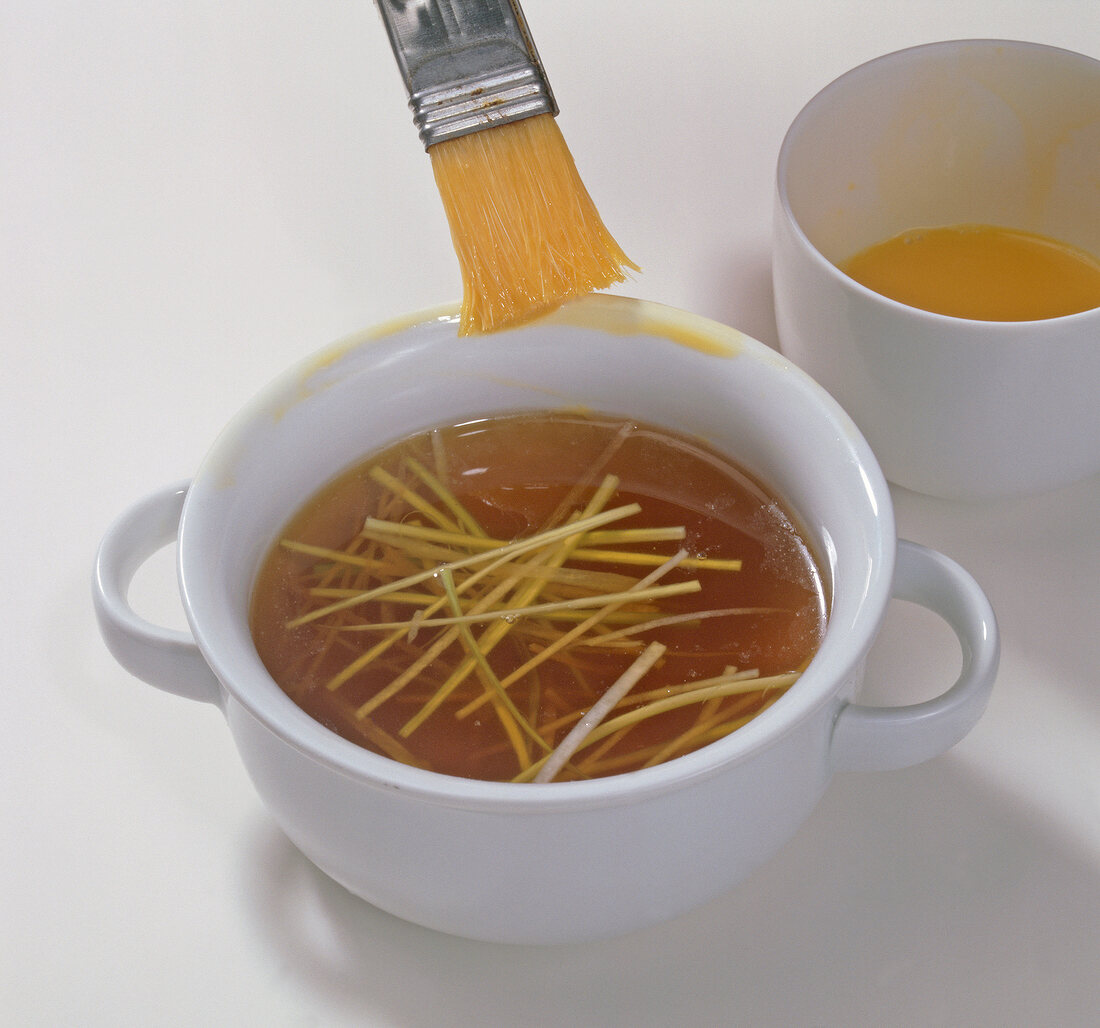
column 476, row 599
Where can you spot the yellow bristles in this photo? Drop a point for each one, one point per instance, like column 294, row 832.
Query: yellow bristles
column 526, row 232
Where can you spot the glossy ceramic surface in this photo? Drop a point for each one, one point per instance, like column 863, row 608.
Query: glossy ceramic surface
column 567, row 861
column 978, row 131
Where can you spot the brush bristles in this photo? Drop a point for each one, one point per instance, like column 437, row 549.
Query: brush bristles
column 526, row 232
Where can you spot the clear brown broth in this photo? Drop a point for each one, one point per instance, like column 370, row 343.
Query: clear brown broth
column 512, row 473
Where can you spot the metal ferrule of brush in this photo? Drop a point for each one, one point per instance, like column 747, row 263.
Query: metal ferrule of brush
column 467, row 64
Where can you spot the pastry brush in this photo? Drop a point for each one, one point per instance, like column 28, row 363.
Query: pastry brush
column 525, row 230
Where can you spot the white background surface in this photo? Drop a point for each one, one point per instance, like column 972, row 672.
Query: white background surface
column 194, row 196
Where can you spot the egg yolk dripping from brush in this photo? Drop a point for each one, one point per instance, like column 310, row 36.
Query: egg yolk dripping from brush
column 525, row 230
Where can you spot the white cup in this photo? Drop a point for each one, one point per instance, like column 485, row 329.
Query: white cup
column 971, row 131
column 572, row 860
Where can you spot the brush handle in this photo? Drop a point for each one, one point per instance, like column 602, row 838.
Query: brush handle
column 467, row 64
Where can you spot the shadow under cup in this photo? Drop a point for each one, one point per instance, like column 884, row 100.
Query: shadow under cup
column 972, row 131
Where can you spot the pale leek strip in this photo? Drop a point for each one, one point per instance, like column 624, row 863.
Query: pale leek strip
column 717, row 728
column 595, row 764
column 596, row 753
column 610, row 605
column 606, row 537
column 568, row 534
column 439, row 454
column 376, row 528
column 682, row 743
column 707, row 710
column 412, row 498
column 734, row 683
column 615, row 764
column 671, row 703
column 332, row 593
column 338, row 556
column 617, row 617
column 405, row 530
column 520, row 546
column 514, row 721
column 567, row 582
column 620, row 617
column 461, row 515
column 649, row 559
column 676, row 619
column 585, row 579
column 578, row 580
column 415, row 548
column 534, row 610
column 540, row 637
column 583, row 729
column 710, row 707
column 627, row 536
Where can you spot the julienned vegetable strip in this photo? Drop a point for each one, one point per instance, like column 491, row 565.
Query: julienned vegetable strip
column 587, row 724
column 508, row 550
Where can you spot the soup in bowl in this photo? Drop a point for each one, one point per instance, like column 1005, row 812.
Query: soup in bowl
column 538, row 596
column 580, row 856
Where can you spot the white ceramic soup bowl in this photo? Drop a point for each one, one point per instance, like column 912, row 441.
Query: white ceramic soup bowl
column 561, row 861
column 965, row 131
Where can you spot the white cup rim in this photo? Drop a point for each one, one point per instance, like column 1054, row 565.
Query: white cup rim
column 809, row 112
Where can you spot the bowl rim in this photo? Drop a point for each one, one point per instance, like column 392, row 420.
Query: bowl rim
column 254, row 692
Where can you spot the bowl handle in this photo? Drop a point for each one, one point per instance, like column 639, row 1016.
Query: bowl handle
column 883, row 738
column 163, row 657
